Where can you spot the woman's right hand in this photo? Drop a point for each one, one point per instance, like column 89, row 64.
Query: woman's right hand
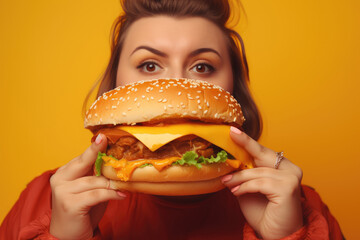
column 78, row 198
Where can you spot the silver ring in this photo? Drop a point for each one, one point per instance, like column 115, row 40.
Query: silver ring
column 279, row 158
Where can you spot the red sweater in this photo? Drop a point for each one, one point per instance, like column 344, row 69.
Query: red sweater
column 140, row 216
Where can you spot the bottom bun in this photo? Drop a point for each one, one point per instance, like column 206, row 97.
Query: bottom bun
column 170, row 188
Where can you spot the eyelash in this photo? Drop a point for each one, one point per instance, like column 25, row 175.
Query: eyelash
column 210, row 68
column 142, row 65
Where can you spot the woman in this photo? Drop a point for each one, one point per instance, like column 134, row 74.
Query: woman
column 158, row 39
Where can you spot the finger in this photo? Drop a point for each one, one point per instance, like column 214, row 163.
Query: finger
column 88, row 183
column 266, row 186
column 240, row 177
column 89, row 199
column 83, row 164
column 263, row 156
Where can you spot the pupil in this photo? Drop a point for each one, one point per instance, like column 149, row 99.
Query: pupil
column 200, row 68
column 150, row 67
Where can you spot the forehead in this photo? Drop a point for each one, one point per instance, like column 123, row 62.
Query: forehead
column 166, row 32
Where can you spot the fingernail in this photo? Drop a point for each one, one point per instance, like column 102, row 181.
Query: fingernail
column 98, row 139
column 121, row 194
column 235, row 130
column 226, row 178
column 235, row 189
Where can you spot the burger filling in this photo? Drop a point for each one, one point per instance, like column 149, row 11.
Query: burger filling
column 128, row 153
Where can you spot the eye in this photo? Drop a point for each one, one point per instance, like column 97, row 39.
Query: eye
column 149, row 67
column 203, row 68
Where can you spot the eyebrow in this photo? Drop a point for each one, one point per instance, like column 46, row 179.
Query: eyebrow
column 162, row 54
column 204, row 50
column 150, row 49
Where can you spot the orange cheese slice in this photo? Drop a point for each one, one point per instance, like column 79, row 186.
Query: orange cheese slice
column 156, row 136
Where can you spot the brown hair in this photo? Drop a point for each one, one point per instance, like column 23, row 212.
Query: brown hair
column 218, row 12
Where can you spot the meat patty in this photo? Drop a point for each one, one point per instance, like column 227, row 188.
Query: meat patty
column 130, row 148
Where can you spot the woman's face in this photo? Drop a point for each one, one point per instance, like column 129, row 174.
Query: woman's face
column 168, row 47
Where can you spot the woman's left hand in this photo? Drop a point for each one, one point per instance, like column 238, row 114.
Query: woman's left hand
column 269, row 198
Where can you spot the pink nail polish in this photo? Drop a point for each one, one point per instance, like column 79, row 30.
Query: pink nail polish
column 121, row 194
column 226, row 178
column 235, row 130
column 235, row 189
column 98, row 139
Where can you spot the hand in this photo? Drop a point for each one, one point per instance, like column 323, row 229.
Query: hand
column 269, row 198
column 78, row 198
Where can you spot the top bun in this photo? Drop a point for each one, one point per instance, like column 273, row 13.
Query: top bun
column 165, row 99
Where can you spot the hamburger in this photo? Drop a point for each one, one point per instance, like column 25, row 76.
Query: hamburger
column 167, row 136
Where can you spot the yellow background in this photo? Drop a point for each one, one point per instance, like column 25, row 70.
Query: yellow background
column 304, row 65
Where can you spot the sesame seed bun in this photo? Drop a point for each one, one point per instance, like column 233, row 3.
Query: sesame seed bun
column 158, row 100
column 166, row 101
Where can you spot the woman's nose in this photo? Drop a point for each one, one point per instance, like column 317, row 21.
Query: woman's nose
column 177, row 72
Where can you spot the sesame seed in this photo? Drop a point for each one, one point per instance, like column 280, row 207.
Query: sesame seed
column 198, row 101
column 216, row 97
column 113, row 107
column 199, row 107
column 164, row 100
column 129, row 108
column 143, row 96
column 124, row 113
column 179, row 93
column 194, row 112
column 135, row 99
column 161, row 90
column 205, row 111
column 160, row 100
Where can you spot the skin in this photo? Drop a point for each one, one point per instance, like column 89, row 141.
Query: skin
column 166, row 47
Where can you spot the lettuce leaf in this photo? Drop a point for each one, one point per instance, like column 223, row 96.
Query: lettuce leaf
column 192, row 159
column 98, row 163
